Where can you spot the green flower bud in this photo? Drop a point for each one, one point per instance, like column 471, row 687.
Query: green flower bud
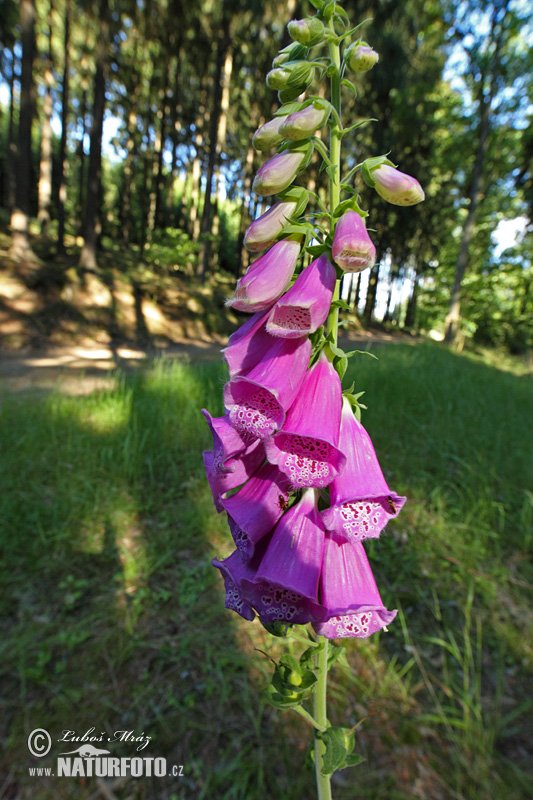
column 268, row 135
column 360, row 57
column 309, row 31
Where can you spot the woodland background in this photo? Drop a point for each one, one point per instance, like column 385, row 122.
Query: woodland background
column 158, row 196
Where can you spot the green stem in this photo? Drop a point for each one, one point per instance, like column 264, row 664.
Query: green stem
column 335, row 159
column 320, row 714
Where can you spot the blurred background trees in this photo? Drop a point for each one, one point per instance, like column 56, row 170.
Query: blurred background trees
column 128, row 124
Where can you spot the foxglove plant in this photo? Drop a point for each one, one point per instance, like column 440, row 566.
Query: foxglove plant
column 292, row 466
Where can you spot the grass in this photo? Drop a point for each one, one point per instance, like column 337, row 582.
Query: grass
column 112, row 616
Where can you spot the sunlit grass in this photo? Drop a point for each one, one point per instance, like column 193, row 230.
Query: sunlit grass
column 113, row 616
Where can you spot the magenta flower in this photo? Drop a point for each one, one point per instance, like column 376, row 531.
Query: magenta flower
column 304, row 123
column 349, row 593
column 267, row 278
column 285, row 587
column 306, row 448
column 233, row 472
column 396, row 187
column 258, row 402
column 305, row 306
column 352, row 249
column 256, row 507
column 233, row 571
column 361, row 501
column 248, row 344
column 263, row 231
column 277, row 173
column 227, row 442
column 268, row 135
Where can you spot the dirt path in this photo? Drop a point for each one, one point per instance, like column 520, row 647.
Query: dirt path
column 82, row 369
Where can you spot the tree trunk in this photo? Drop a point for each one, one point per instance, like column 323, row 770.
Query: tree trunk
column 63, row 144
column 20, row 246
column 90, row 234
column 242, row 259
column 410, row 313
column 11, row 146
column 125, row 208
column 174, row 214
column 45, row 166
column 194, row 200
column 371, row 294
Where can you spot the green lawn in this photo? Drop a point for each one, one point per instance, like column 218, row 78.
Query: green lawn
column 112, row 616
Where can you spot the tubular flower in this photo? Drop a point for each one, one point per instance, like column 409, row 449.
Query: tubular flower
column 306, row 448
column 248, row 344
column 258, row 402
column 268, row 135
column 234, row 472
column 352, row 249
column 396, row 187
column 361, row 501
column 256, row 507
column 263, row 231
column 277, row 173
column 349, row 593
column 285, row 586
column 234, row 570
column 305, row 306
column 267, row 278
column 227, row 442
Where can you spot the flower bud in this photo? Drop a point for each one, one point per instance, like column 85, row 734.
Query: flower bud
column 352, row 249
column 361, row 57
column 263, row 231
column 308, row 31
column 292, row 75
column 277, row 78
column 268, row 135
column 267, row 278
column 396, row 187
column 304, row 123
column 277, row 173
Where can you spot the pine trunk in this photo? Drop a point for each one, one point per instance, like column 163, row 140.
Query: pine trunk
column 11, row 146
column 45, row 166
column 63, row 143
column 371, row 294
column 20, row 246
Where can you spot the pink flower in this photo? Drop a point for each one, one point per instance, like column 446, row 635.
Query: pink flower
column 361, row 501
column 234, row 471
column 304, row 123
column 263, row 231
column 267, row 278
column 349, row 593
column 306, row 447
column 396, row 187
column 277, row 173
column 352, row 249
column 305, row 306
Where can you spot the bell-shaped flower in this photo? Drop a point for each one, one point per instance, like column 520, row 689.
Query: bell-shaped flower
column 233, row 472
column 306, row 448
column 352, row 249
column 349, row 593
column 227, row 442
column 267, row 278
column 258, row 402
column 254, row 510
column 361, row 501
column 269, row 135
column 360, row 57
column 304, row 123
column 306, row 305
column 248, row 344
column 285, row 587
column 396, row 187
column 234, row 570
column 263, row 231
column 277, row 173
column 308, row 31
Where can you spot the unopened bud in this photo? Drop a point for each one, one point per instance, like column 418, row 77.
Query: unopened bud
column 277, row 173
column 308, row 31
column 352, row 249
column 361, row 57
column 396, row 187
column 304, row 123
column 263, row 231
column 269, row 135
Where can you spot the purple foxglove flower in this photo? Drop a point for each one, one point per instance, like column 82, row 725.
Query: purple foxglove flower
column 349, row 593
column 306, row 448
column 277, row 173
column 352, row 249
column 305, row 306
column 361, row 57
column 304, row 123
column 256, row 507
column 268, row 135
column 247, row 345
column 263, row 231
column 396, row 187
column 361, row 501
column 233, row 571
column 234, row 472
column 267, row 278
column 285, row 587
column 227, row 442
column 258, row 402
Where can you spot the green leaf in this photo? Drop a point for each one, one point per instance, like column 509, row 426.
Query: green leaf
column 318, row 4
column 358, row 125
column 336, row 653
column 354, row 759
column 341, row 14
column 349, row 85
column 288, row 108
column 316, row 250
column 332, row 173
column 340, row 365
column 334, row 757
column 341, row 304
column 332, row 71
